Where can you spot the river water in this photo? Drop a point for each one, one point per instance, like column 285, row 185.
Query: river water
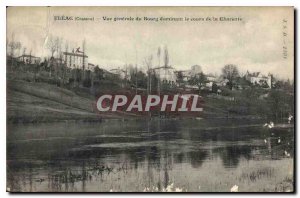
column 150, row 155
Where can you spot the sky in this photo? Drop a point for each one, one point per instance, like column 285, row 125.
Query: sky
column 254, row 43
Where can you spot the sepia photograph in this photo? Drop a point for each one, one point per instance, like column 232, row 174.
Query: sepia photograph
column 150, row 99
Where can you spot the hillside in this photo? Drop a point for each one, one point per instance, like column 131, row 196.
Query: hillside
column 42, row 102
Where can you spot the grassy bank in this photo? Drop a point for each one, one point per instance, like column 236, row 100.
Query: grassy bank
column 42, row 102
column 38, row 99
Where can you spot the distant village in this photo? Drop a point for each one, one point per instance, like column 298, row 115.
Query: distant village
column 72, row 67
column 251, row 93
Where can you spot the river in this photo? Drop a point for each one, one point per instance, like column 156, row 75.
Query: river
column 150, row 155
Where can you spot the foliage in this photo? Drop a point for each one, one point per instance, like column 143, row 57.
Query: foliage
column 179, row 76
column 53, row 44
column 281, row 103
column 99, row 73
column 231, row 73
column 198, row 80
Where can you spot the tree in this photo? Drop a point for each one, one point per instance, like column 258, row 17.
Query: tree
column 166, row 57
column 64, row 66
column 132, row 73
column 180, row 78
column 158, row 79
column 198, row 80
column 279, row 104
column 83, row 53
column 158, row 55
column 148, row 62
column 230, row 72
column 13, row 45
column 24, row 50
column 7, row 45
column 284, row 85
column 214, row 88
column 53, row 44
column 243, row 82
column 30, row 56
column 99, row 73
column 141, row 79
column 18, row 47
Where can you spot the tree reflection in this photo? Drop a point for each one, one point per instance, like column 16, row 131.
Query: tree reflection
column 198, row 157
column 231, row 155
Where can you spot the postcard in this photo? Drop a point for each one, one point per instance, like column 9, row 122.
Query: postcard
column 150, row 99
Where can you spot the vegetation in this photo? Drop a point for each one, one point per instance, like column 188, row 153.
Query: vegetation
column 199, row 80
column 231, row 73
column 229, row 95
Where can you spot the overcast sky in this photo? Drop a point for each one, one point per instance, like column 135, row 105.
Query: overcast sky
column 255, row 43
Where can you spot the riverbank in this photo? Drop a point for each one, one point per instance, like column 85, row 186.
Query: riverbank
column 32, row 102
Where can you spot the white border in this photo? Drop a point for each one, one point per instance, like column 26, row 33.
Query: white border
column 4, row 3
column 150, row 3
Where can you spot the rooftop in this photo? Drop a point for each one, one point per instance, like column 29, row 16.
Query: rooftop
column 26, row 55
column 255, row 74
column 75, row 54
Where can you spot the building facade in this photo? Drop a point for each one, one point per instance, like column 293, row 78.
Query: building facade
column 29, row 59
column 76, row 60
column 259, row 79
column 167, row 74
column 91, row 67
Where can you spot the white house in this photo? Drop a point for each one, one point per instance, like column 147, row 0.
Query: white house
column 76, row 60
column 166, row 74
column 120, row 72
column 29, row 59
column 259, row 78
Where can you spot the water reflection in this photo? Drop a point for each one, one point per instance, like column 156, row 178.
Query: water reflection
column 231, row 155
column 133, row 154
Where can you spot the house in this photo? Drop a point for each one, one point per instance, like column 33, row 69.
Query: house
column 166, row 74
column 182, row 76
column 223, row 82
column 187, row 74
column 29, row 59
column 211, row 79
column 91, row 67
column 257, row 78
column 76, row 60
column 119, row 72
